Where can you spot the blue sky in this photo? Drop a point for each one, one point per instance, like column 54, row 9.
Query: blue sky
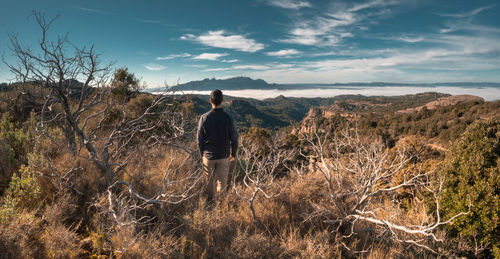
column 280, row 41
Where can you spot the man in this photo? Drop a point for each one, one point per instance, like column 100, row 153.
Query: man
column 218, row 143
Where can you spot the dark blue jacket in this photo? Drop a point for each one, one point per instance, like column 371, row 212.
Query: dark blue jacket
column 217, row 135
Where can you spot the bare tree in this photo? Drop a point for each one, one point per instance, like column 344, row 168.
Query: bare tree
column 95, row 126
column 360, row 173
column 259, row 171
column 175, row 187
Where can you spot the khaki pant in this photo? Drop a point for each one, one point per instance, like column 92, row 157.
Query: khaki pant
column 216, row 172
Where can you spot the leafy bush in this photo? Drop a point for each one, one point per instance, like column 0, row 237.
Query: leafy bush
column 14, row 145
column 472, row 169
column 124, row 84
column 17, row 138
column 24, row 191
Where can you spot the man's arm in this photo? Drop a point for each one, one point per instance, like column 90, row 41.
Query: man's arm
column 200, row 135
column 233, row 137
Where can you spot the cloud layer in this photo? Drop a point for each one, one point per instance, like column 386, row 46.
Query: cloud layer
column 289, row 4
column 221, row 39
column 283, row 52
column 346, row 41
column 210, row 56
column 154, row 67
column 338, row 21
column 172, row 56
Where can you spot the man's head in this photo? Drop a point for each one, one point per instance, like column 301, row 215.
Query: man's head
column 216, row 97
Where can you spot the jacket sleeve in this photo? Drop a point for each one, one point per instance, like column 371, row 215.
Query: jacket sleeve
column 233, row 136
column 201, row 135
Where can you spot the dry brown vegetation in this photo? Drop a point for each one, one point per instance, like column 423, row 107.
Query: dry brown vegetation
column 296, row 222
column 112, row 172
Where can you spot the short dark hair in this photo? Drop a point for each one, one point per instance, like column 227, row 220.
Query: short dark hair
column 216, row 97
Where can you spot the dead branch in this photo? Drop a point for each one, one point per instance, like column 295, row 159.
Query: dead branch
column 86, row 115
column 259, row 171
column 361, row 173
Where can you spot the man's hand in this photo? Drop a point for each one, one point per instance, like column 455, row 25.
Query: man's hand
column 231, row 158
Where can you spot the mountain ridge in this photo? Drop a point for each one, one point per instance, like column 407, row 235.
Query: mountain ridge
column 233, row 83
column 245, row 83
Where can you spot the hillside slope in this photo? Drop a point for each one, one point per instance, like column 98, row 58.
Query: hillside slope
column 235, row 83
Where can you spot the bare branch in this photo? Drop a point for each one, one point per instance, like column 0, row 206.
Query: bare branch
column 361, row 172
column 259, row 171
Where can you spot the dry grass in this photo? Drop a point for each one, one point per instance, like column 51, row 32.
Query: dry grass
column 256, row 245
column 20, row 237
column 314, row 245
column 60, row 241
column 291, row 225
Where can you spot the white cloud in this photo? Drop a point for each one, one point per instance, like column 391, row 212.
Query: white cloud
column 320, row 54
column 444, row 57
column 411, row 39
column 489, row 94
column 283, row 52
column 217, row 69
column 252, row 67
column 470, row 13
column 230, row 60
column 90, row 10
column 195, row 66
column 337, row 22
column 323, row 31
column 373, row 4
column 289, row 4
column 154, row 67
column 301, row 39
column 210, row 56
column 447, row 57
column 432, row 59
column 280, row 66
column 446, row 30
column 188, row 36
column 452, row 58
column 453, row 25
column 221, row 39
column 346, row 35
column 172, row 56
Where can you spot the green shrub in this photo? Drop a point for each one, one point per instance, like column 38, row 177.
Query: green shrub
column 15, row 143
column 472, row 168
column 124, row 84
column 17, row 138
column 23, row 191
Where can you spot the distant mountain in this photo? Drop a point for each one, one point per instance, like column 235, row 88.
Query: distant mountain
column 235, row 83
column 241, row 83
column 244, row 83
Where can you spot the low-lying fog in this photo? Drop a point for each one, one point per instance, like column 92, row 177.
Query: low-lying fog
column 489, row 94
